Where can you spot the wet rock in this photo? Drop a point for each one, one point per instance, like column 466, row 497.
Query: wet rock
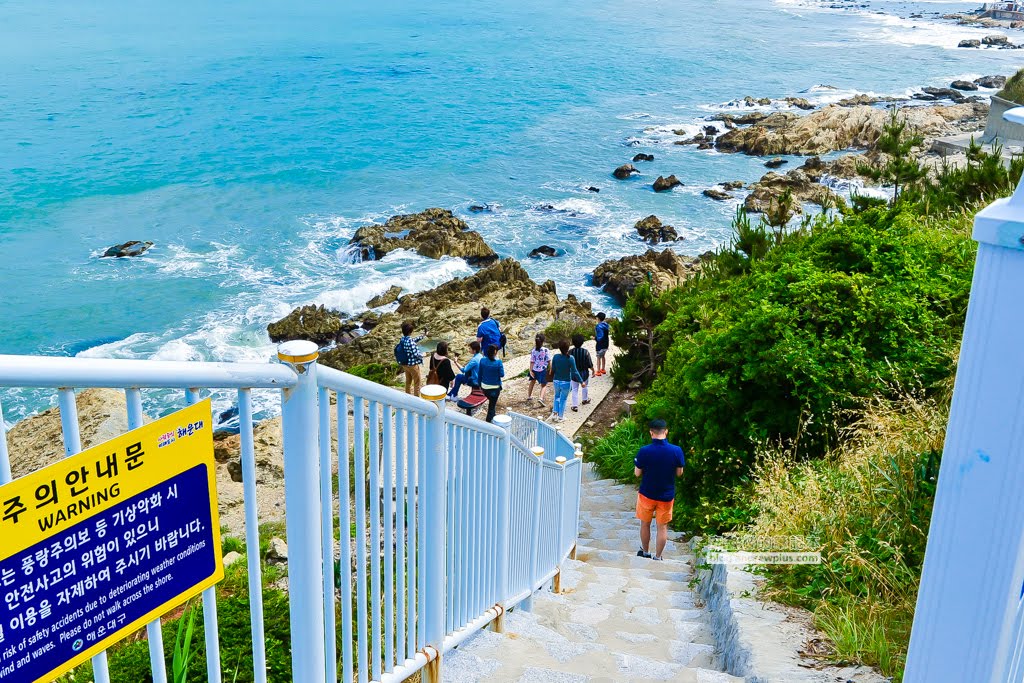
column 943, row 93
column 624, row 171
column 545, row 250
column 732, row 184
column 963, row 85
column 666, row 269
column 717, row 194
column 653, row 231
column 802, row 183
column 643, row 157
column 862, row 99
column 663, row 184
column 990, row 81
column 388, row 297
column 710, row 131
column 799, row 103
column 775, row 163
column 480, row 208
column 970, row 42
column 593, row 189
column 451, row 311
column 313, row 323
column 432, row 233
column 996, row 39
column 127, row 249
column 741, row 119
column 760, row 101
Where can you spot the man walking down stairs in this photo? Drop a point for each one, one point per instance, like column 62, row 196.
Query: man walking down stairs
column 619, row 617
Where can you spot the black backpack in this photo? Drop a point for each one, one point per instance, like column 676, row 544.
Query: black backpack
column 502, row 341
column 400, row 355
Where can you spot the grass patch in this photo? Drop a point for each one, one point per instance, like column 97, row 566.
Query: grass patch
column 381, row 373
column 565, row 328
column 1014, row 88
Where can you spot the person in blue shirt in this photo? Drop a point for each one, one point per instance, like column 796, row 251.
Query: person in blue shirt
column 563, row 372
column 657, row 464
column 469, row 372
column 488, row 331
column 490, row 372
column 602, row 334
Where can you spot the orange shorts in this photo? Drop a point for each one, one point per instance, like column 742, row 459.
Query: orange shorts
column 647, row 509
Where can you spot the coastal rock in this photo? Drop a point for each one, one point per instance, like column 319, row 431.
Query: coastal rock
column 799, row 103
column 996, row 39
column 963, row 85
column 732, row 184
column 776, row 162
column 710, row 131
column 317, row 324
column 643, row 157
column 759, row 102
column 834, row 128
column 624, row 171
column 802, row 184
column 451, row 311
column 127, row 249
column 943, row 93
column 432, row 233
column 970, row 42
column 652, row 230
column 716, row 194
column 591, row 188
column 388, row 297
column 990, row 81
column 663, row 184
column 666, row 269
column 277, row 551
column 861, row 99
column 37, row 441
column 481, row 208
column 545, row 250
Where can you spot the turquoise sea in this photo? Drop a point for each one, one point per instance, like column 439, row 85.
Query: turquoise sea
column 248, row 140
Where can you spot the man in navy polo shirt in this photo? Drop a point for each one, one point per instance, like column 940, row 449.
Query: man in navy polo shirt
column 657, row 464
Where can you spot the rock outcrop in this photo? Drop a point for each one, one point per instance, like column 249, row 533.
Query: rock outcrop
column 451, row 311
column 717, row 194
column 643, row 157
column 969, row 42
column 126, row 249
column 624, row 171
column 802, row 183
column 664, row 270
column 996, row 39
column 990, row 81
column 964, row 85
column 834, row 128
column 776, row 162
column 663, row 184
column 653, row 231
column 317, row 324
column 388, row 297
column 545, row 250
column 432, row 233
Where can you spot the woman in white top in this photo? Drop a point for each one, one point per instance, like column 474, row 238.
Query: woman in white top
column 540, row 358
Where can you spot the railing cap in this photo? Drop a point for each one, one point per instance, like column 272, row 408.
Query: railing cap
column 503, row 421
column 538, row 451
column 433, row 392
column 298, row 351
column 1001, row 223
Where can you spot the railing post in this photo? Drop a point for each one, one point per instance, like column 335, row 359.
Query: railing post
column 971, row 582
column 504, row 496
column 300, row 431
column 556, row 582
column 579, row 498
column 535, row 526
column 433, row 496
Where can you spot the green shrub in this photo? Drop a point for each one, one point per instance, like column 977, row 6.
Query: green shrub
column 381, row 373
column 1013, row 90
column 564, row 329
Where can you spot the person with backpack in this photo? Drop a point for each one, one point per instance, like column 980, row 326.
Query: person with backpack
column 540, row 358
column 442, row 368
column 584, row 363
column 491, row 371
column 602, row 334
column 562, row 372
column 409, row 356
column 469, row 372
column 488, row 331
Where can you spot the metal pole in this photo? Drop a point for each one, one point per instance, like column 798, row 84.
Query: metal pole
column 300, row 427
column 433, row 494
column 971, row 582
column 504, row 490
column 535, row 525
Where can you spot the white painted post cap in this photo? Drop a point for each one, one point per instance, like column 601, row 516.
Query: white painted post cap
column 503, row 421
column 433, row 392
column 297, row 351
column 560, row 460
column 538, row 451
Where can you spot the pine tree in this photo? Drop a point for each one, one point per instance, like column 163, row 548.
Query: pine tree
column 901, row 169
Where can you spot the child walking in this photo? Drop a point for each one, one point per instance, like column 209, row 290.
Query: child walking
column 539, row 361
column 602, row 342
column 562, row 373
column 584, row 364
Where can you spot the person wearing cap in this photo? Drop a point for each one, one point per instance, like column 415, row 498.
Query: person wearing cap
column 657, row 465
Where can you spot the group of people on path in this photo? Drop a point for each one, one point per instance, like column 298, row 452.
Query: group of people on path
column 568, row 371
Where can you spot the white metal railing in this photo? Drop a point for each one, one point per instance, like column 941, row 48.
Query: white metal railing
column 437, row 522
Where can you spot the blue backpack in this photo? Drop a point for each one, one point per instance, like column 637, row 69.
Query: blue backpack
column 401, row 356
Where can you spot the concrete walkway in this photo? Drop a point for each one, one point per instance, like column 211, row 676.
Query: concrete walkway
column 515, row 386
column 619, row 617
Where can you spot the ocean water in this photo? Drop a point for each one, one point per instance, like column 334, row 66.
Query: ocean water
column 248, row 140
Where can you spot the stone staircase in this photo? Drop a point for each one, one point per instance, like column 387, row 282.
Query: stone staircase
column 619, row 617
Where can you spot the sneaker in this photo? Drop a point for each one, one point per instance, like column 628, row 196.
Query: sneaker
column 659, row 559
column 560, row 419
column 575, row 409
column 641, row 553
column 585, row 402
